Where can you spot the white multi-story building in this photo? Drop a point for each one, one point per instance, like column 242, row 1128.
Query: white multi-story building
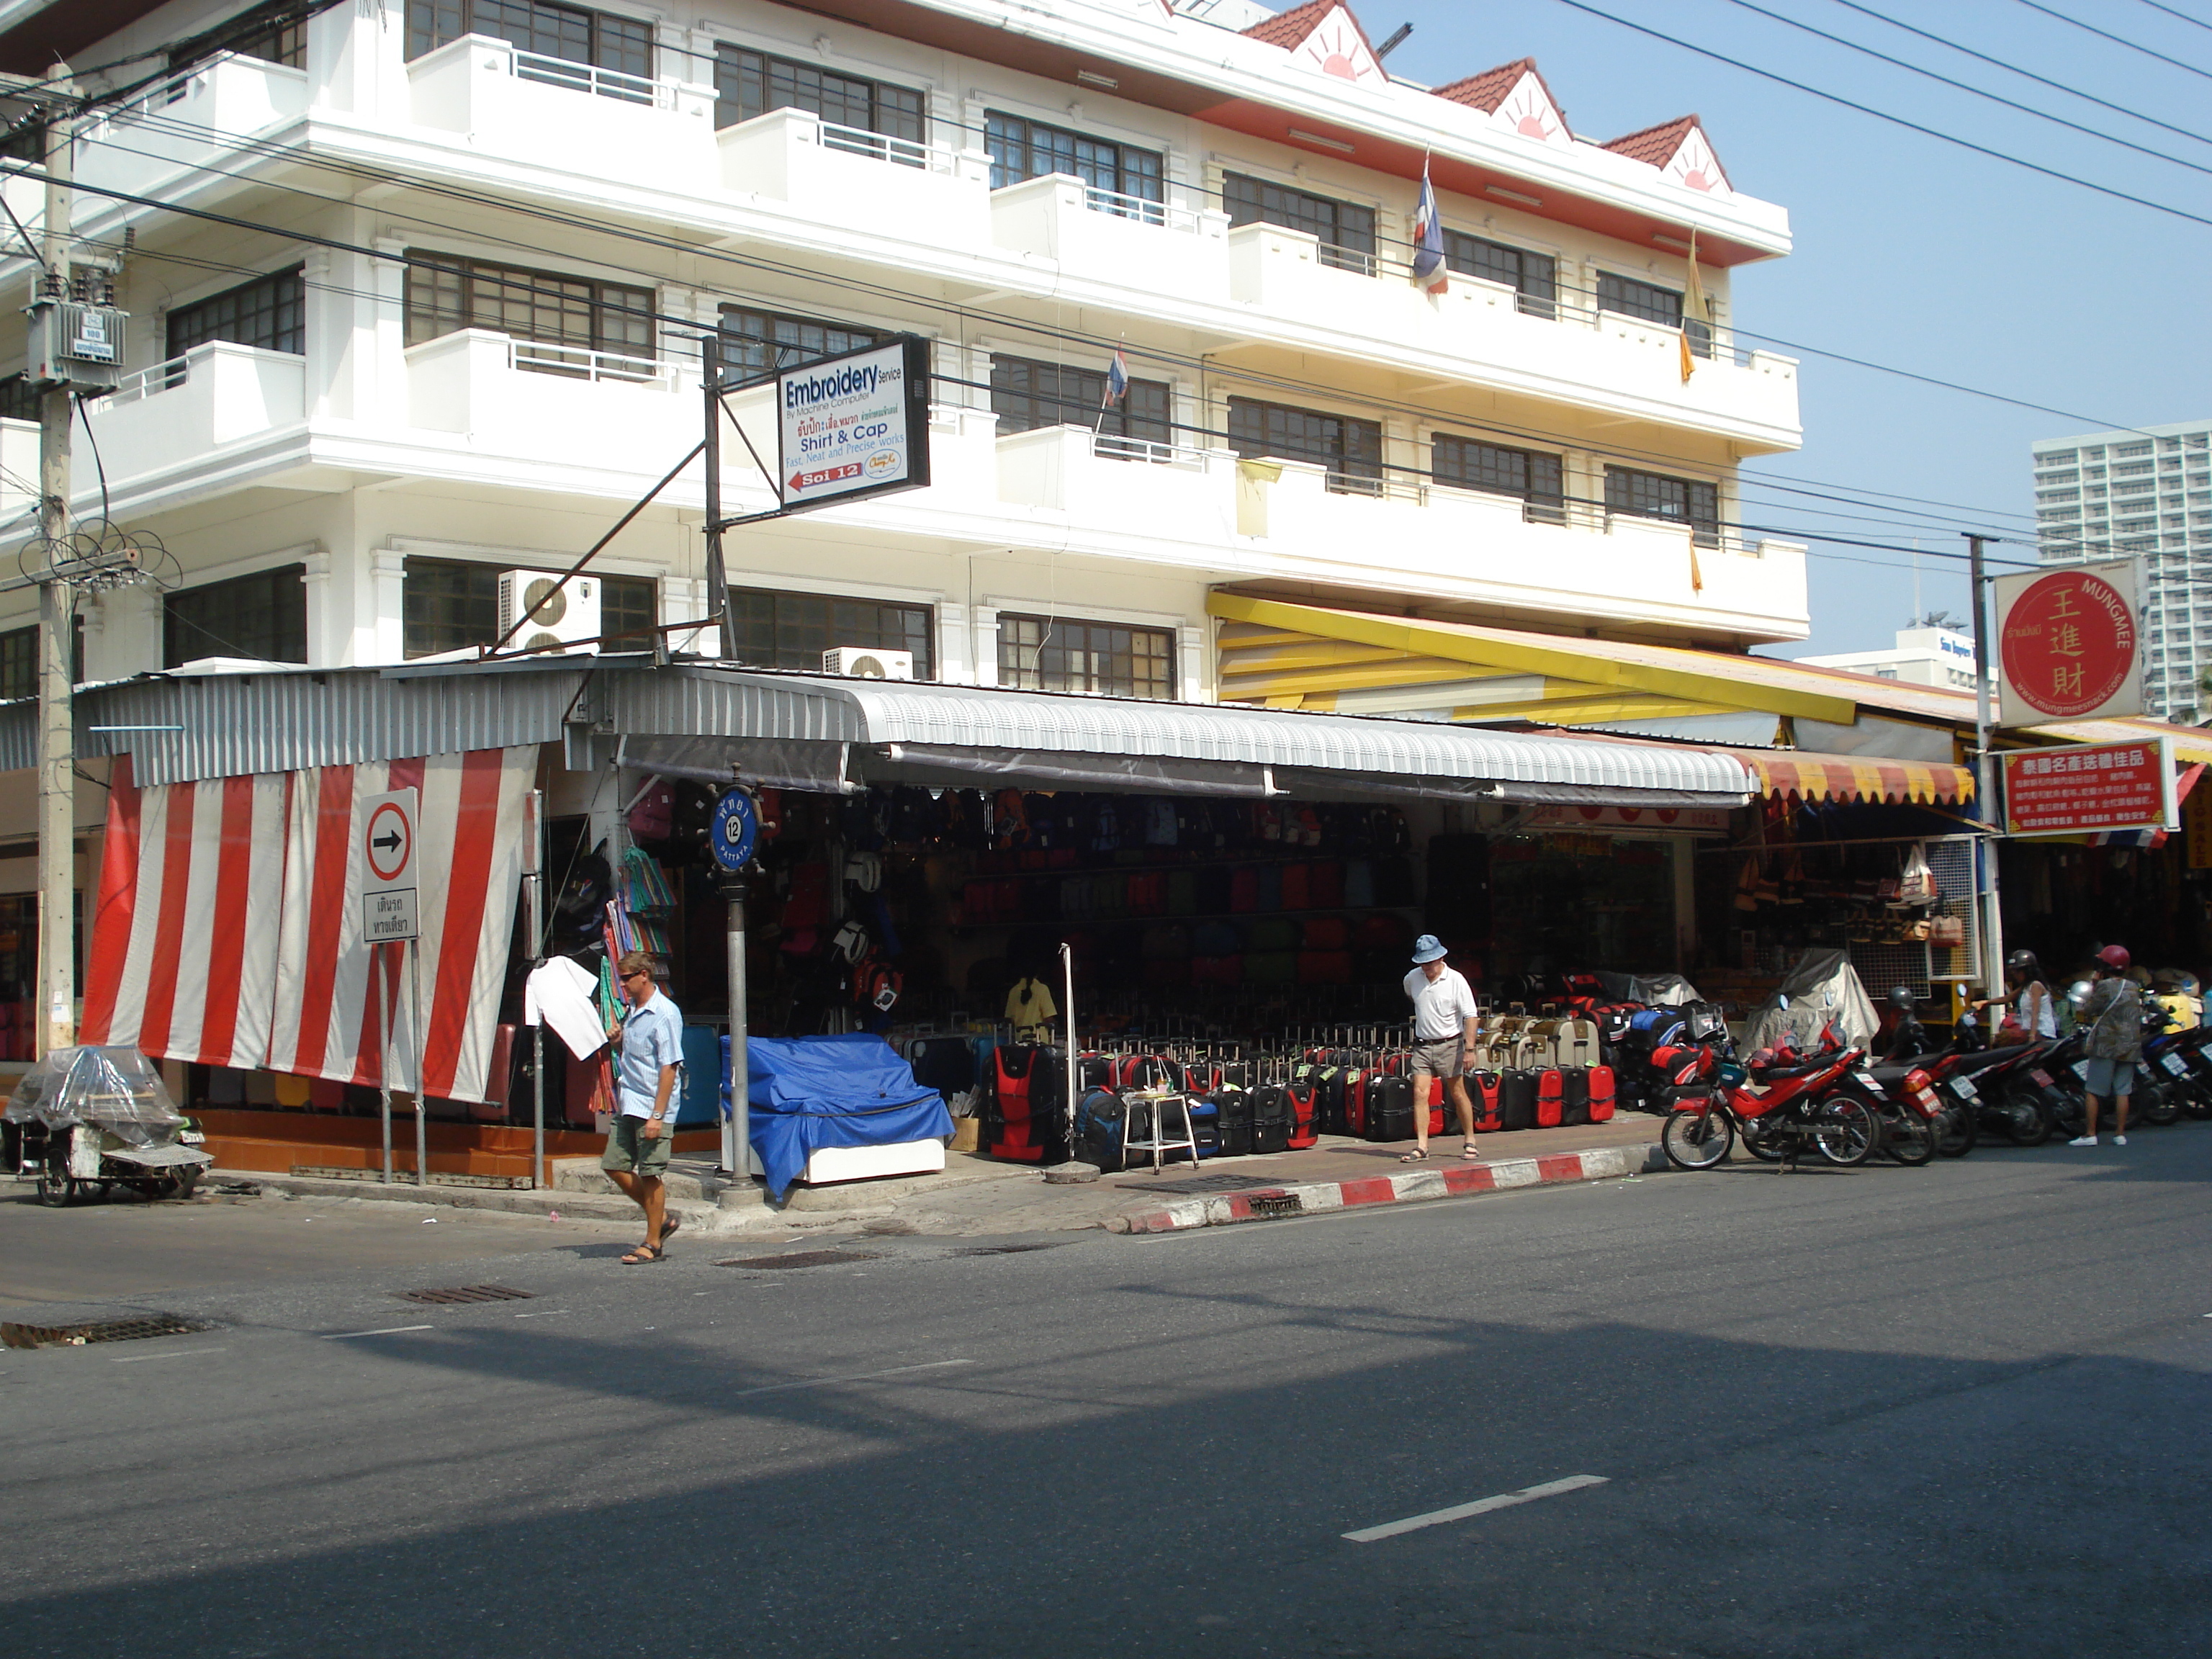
column 416, row 289
column 1922, row 656
column 2147, row 493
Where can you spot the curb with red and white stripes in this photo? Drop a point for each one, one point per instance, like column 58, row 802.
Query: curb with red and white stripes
column 1262, row 1203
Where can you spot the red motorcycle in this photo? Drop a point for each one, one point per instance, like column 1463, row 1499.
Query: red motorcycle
column 1781, row 1103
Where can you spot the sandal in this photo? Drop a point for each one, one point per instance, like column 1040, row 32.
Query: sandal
column 1469, row 1151
column 669, row 1224
column 643, row 1253
column 1421, row 1156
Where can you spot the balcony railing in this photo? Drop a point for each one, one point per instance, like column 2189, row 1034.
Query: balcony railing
column 616, row 84
column 1143, row 208
column 882, row 147
column 137, row 388
column 573, row 362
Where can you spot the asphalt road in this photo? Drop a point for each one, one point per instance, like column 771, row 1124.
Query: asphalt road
column 1955, row 1411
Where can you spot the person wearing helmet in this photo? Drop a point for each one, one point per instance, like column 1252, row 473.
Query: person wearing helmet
column 1908, row 1037
column 2113, row 1012
column 2027, row 1001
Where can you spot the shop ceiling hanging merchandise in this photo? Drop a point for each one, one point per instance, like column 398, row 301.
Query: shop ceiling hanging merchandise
column 227, row 930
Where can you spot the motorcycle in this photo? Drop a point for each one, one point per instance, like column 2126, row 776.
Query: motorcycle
column 2150, row 1101
column 1781, row 1104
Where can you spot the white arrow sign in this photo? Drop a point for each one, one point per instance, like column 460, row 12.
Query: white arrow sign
column 387, row 865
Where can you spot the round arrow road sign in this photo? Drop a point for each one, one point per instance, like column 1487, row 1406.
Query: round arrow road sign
column 389, row 841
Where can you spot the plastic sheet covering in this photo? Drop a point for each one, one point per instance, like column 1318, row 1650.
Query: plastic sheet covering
column 854, row 1091
column 1653, row 990
column 116, row 1089
column 1822, row 986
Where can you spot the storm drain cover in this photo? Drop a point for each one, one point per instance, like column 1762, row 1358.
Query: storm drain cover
column 1211, row 1183
column 802, row 1259
column 106, row 1330
column 459, row 1293
column 1011, row 1249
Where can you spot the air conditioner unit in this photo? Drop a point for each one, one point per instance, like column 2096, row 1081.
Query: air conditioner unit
column 866, row 662
column 568, row 618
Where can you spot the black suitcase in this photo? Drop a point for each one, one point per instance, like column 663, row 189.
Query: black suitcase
column 1205, row 1127
column 1517, row 1099
column 1101, row 1129
column 1274, row 1120
column 1233, row 1115
column 1390, row 1108
column 1574, row 1094
column 1328, row 1097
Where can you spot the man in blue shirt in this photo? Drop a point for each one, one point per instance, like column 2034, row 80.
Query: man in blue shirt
column 648, row 1068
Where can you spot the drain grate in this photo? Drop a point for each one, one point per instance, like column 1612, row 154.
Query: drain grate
column 1211, row 1183
column 106, row 1330
column 1010, row 1250
column 463, row 1293
column 1268, row 1206
column 802, row 1259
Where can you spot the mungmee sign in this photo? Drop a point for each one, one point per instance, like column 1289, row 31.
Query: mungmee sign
column 853, row 425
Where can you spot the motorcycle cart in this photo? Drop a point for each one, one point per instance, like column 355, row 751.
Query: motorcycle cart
column 84, row 1121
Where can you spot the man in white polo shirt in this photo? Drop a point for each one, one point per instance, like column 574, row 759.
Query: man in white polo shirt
column 1446, row 1025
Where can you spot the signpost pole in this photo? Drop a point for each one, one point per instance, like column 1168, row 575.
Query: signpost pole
column 537, row 960
column 737, row 1156
column 1985, row 850
column 379, row 968
column 421, row 1055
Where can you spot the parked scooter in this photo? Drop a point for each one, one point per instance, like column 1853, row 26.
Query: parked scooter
column 1783, row 1104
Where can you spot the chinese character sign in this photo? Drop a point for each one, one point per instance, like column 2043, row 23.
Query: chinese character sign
column 2068, row 645
column 2074, row 791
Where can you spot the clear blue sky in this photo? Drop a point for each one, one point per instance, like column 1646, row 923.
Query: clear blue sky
column 1911, row 251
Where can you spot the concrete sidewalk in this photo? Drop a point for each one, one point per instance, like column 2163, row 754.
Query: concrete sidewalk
column 976, row 1195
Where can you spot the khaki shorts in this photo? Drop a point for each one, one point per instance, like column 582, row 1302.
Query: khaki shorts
column 629, row 1150
column 1444, row 1057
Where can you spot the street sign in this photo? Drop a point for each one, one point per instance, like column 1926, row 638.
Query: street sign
column 737, row 824
column 2068, row 645
column 853, row 425
column 2086, row 787
column 387, row 865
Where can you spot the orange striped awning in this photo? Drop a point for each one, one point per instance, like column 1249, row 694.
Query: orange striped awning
column 1856, row 777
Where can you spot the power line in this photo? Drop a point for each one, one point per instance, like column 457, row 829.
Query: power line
column 2116, row 39
column 2171, row 12
column 1962, row 86
column 1895, row 121
column 2030, row 75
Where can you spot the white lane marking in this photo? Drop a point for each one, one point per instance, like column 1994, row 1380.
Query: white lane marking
column 180, row 1354
column 389, row 1330
column 535, row 1313
column 1480, row 1506
column 858, row 1376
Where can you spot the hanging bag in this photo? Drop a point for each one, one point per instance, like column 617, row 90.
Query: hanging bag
column 1916, row 884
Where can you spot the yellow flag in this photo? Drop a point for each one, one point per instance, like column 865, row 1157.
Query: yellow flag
column 1694, row 310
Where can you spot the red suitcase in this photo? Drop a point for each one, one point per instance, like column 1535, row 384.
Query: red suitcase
column 1306, row 1110
column 1436, row 1106
column 1551, row 1099
column 1600, row 1094
column 1482, row 1089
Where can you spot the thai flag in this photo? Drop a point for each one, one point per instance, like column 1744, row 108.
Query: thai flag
column 1117, row 380
column 1429, row 240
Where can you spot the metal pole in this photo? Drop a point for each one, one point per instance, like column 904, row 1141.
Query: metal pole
column 414, row 949
column 57, row 992
column 1985, row 851
column 537, row 960
column 718, row 576
column 738, row 1133
column 1067, row 1009
column 378, row 961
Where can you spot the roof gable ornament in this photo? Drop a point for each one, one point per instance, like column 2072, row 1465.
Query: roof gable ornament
column 1324, row 37
column 1515, row 98
column 1680, row 151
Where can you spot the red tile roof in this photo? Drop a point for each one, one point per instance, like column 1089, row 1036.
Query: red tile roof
column 1289, row 29
column 1487, row 90
column 1655, row 145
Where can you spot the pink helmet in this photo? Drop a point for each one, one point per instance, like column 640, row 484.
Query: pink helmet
column 2114, row 957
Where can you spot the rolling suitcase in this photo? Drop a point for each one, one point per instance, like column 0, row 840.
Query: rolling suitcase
column 1205, row 1127
column 1436, row 1105
column 1482, row 1089
column 1600, row 1094
column 1233, row 1108
column 1574, row 1094
column 1390, row 1109
column 1305, row 1108
column 1273, row 1120
column 1100, row 1128
column 1551, row 1098
column 1517, row 1099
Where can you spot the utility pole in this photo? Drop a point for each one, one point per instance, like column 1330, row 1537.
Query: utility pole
column 57, row 992
column 1985, row 767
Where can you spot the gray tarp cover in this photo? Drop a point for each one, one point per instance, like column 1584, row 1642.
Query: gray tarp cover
column 116, row 1089
column 1822, row 986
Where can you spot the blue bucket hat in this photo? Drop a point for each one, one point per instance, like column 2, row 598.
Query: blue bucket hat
column 1428, row 948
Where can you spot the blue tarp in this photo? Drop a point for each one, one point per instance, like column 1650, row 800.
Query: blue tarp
column 812, row 1092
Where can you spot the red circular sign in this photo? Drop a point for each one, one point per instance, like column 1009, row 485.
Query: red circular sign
column 2068, row 644
column 389, row 841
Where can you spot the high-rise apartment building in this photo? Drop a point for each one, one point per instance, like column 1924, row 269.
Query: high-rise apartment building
column 2146, row 493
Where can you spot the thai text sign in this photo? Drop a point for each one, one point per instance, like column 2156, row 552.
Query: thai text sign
column 855, row 424
column 2068, row 645
column 2089, row 786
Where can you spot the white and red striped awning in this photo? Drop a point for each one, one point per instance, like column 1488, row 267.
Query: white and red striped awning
column 229, row 926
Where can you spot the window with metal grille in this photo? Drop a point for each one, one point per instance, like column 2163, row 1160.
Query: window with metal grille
column 793, row 631
column 1043, row 654
column 570, row 33
column 1022, row 149
column 1534, row 277
column 750, row 83
column 270, row 312
column 263, row 616
column 1351, row 449
column 19, row 399
column 1630, row 297
column 19, row 659
column 763, row 341
column 1655, row 496
column 1347, row 229
column 1026, row 395
column 572, row 314
column 1530, row 474
column 450, row 604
